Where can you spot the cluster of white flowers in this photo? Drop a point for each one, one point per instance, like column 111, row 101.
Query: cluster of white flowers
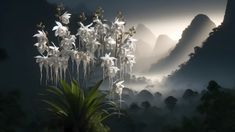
column 99, row 42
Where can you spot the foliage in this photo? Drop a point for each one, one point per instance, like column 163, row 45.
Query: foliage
column 218, row 107
column 170, row 102
column 145, row 104
column 216, row 112
column 80, row 111
column 189, row 94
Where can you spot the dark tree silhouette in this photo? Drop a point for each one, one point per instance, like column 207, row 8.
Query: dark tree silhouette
column 213, row 86
column 189, row 94
column 157, row 95
column 218, row 108
column 134, row 106
column 146, row 105
column 145, row 95
column 170, row 102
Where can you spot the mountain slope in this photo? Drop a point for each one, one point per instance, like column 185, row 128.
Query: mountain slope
column 143, row 47
column 215, row 60
column 145, row 34
column 141, row 54
column 193, row 36
column 163, row 46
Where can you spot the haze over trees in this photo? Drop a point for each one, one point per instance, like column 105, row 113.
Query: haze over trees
column 192, row 102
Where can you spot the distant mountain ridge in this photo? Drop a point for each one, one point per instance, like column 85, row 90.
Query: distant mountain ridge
column 145, row 34
column 144, row 47
column 214, row 61
column 192, row 36
column 163, row 46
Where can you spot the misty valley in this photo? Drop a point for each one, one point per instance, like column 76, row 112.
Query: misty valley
column 76, row 66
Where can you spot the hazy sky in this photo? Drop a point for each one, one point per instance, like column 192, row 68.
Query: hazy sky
column 161, row 16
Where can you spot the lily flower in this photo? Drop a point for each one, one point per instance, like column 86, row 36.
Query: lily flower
column 119, row 23
column 42, row 41
column 119, row 87
column 41, row 36
column 130, row 59
column 54, row 50
column 112, row 71
column 100, row 26
column 60, row 30
column 107, row 60
column 68, row 42
column 65, row 18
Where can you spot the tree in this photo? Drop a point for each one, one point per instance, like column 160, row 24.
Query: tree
column 145, row 95
column 213, row 86
column 189, row 94
column 134, row 106
column 196, row 49
column 218, row 108
column 146, row 105
column 170, row 102
column 191, row 55
column 157, row 95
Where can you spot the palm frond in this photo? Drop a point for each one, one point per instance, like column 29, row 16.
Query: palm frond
column 84, row 111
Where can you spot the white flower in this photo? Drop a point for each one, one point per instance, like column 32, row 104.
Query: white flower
column 100, row 27
column 65, row 18
column 60, row 30
column 97, row 20
column 118, row 26
column 130, row 59
column 68, row 42
column 42, row 41
column 86, row 58
column 112, row 71
column 124, row 52
column 84, row 28
column 111, row 41
column 41, row 36
column 130, row 43
column 92, row 45
column 107, row 60
column 54, row 50
column 119, row 87
column 86, row 33
column 41, row 59
column 119, row 23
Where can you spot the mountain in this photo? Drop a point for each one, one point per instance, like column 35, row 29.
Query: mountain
column 214, row 61
column 145, row 34
column 143, row 47
column 163, row 46
column 192, row 36
column 141, row 53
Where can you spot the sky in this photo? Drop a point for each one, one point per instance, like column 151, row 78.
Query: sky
column 169, row 17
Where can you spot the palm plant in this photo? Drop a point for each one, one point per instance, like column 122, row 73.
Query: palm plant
column 80, row 111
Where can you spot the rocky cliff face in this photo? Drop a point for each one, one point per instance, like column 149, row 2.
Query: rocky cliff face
column 214, row 61
column 192, row 36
